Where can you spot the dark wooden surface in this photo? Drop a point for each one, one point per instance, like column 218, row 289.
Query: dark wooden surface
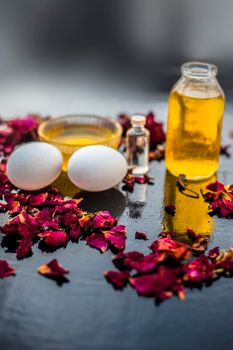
column 87, row 313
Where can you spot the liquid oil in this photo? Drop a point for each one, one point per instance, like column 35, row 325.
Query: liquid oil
column 69, row 139
column 191, row 212
column 80, row 135
column 194, row 135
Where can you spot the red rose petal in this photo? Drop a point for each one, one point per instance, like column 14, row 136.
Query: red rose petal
column 52, row 269
column 75, row 232
column 98, row 241
column 6, row 269
column 199, row 270
column 123, row 260
column 54, row 238
column 214, row 253
column 215, row 187
column 38, row 199
column 115, row 239
column 172, row 248
column 24, row 248
column 104, row 220
column 162, row 284
column 141, row 235
column 118, row 279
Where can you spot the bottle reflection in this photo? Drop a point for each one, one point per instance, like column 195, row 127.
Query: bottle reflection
column 191, row 213
column 136, row 201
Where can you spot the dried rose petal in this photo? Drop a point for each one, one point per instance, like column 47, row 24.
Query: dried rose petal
column 215, row 187
column 137, row 261
column 224, row 262
column 162, row 284
column 172, row 248
column 220, row 198
column 124, row 120
column 54, row 238
column 214, row 253
column 199, row 242
column 24, row 248
column 123, row 260
column 85, row 220
column 25, row 231
column 104, row 220
column 71, row 219
column 199, row 270
column 170, row 209
column 67, row 205
column 98, row 241
column 130, row 180
column 118, row 279
column 147, row 263
column 38, row 199
column 144, row 179
column 141, row 235
column 52, row 269
column 75, row 232
column 116, row 237
column 157, row 154
column 6, row 269
column 157, row 135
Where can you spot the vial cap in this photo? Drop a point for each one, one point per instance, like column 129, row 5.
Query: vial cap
column 138, row 120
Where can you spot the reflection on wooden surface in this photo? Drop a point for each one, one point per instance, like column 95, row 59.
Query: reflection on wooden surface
column 191, row 213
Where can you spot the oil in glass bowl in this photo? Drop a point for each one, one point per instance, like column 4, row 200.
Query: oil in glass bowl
column 69, row 133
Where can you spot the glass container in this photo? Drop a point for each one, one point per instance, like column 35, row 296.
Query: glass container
column 71, row 132
column 137, row 146
column 195, row 113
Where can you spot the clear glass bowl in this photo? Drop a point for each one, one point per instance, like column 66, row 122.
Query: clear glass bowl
column 71, row 132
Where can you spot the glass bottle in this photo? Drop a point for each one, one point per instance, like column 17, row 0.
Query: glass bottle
column 137, row 146
column 195, row 112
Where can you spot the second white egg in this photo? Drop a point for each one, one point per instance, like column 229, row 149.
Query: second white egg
column 96, row 168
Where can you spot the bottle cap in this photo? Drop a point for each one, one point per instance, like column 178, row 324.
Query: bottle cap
column 138, row 120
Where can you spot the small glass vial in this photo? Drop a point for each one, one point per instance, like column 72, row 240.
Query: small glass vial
column 137, row 146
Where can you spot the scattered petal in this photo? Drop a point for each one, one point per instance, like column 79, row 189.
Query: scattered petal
column 162, row 284
column 52, row 269
column 214, row 253
column 98, row 241
column 54, row 238
column 104, row 220
column 141, row 235
column 118, row 279
column 24, row 248
column 199, row 270
column 6, row 269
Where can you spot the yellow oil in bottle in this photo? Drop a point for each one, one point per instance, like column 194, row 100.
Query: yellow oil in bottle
column 70, row 138
column 194, row 135
column 191, row 213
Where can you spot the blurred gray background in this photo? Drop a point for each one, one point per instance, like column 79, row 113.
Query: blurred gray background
column 100, row 56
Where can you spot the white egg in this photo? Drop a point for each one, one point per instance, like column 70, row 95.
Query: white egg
column 34, row 165
column 96, row 168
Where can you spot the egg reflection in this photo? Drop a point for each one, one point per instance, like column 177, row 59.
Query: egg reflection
column 112, row 200
column 191, row 213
